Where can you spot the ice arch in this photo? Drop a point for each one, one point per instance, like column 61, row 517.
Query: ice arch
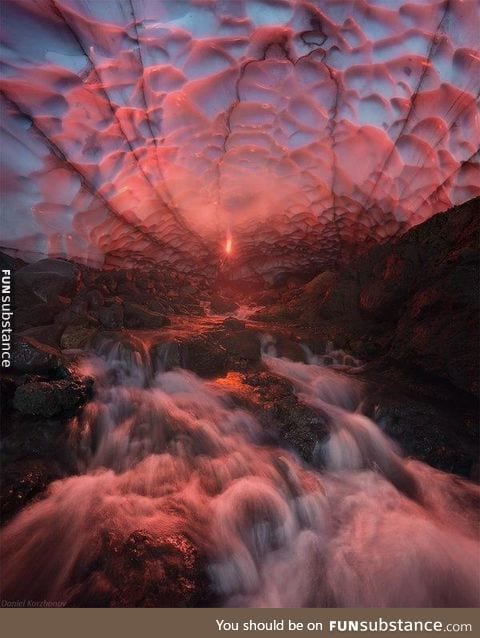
column 302, row 130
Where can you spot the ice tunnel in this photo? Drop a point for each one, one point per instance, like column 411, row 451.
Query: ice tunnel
column 276, row 134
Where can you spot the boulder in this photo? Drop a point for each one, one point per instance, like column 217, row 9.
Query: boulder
column 47, row 335
column 147, row 570
column 111, row 317
column 38, row 314
column 137, row 316
column 203, row 355
column 167, row 355
column 31, row 356
column 279, row 411
column 10, row 263
column 94, row 298
column 239, row 345
column 22, row 481
column 49, row 398
column 49, row 278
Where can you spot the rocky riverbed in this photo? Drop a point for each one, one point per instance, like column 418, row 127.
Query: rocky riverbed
column 401, row 324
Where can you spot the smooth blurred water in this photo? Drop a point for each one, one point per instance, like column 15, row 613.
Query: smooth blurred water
column 159, row 451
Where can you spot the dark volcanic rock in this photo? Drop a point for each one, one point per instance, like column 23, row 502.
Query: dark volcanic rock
column 10, row 263
column 49, row 398
column 40, row 314
column 146, row 570
column 22, row 481
column 167, row 355
column 415, row 299
column 111, row 317
column 204, row 356
column 439, row 328
column 209, row 354
column 31, row 356
column 137, row 316
column 221, row 305
column 278, row 410
column 49, row 278
column 241, row 346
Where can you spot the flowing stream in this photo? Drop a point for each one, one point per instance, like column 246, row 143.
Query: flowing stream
column 166, row 451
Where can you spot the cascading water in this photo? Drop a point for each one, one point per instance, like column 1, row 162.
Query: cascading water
column 165, row 455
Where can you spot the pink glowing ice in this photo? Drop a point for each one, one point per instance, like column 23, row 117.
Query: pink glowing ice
column 304, row 130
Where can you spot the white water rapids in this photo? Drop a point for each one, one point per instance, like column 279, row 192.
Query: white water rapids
column 162, row 451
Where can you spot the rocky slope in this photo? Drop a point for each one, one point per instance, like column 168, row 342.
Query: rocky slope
column 413, row 302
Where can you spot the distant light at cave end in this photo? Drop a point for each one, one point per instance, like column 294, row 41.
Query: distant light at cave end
column 228, row 245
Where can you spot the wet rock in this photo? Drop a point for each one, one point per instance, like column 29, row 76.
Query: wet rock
column 278, row 409
column 425, row 432
column 49, row 398
column 31, row 356
column 290, row 349
column 49, row 278
column 22, row 481
column 243, row 345
column 147, row 570
column 137, row 316
column 157, row 305
column 76, row 315
column 204, row 356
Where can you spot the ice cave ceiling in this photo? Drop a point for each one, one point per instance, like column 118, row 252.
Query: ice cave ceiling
column 300, row 131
